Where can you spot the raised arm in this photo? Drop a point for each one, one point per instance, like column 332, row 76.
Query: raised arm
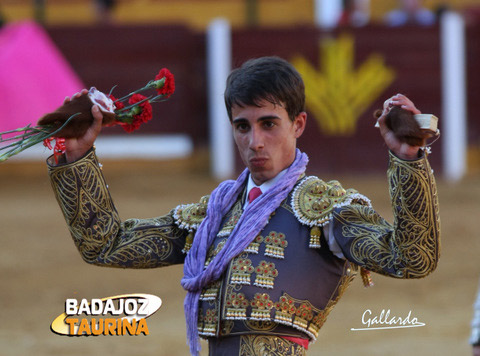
column 95, row 225
column 92, row 219
column 409, row 248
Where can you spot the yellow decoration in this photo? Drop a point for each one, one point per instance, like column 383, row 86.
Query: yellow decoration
column 188, row 242
column 313, row 201
column 315, row 235
column 366, row 277
column 338, row 94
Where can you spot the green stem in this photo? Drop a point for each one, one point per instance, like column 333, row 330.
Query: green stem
column 32, row 139
column 31, row 132
column 126, row 108
column 148, row 86
column 156, row 99
column 26, row 128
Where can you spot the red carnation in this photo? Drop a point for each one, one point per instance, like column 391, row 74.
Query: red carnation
column 131, row 127
column 142, row 112
column 118, row 104
column 146, row 108
column 168, row 87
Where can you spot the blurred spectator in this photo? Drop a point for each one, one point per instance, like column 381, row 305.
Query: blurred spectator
column 355, row 13
column 2, row 19
column 39, row 11
column 103, row 9
column 410, row 12
column 441, row 9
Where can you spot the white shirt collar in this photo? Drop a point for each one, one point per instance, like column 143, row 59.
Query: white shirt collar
column 264, row 187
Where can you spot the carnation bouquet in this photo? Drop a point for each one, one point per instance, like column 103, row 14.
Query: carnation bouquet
column 74, row 117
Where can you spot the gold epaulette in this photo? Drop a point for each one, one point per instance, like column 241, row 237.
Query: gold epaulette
column 189, row 217
column 313, row 201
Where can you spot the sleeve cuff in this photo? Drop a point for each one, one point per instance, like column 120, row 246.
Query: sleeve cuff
column 421, row 156
column 62, row 162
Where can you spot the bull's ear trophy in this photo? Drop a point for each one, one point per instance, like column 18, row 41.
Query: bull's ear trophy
column 413, row 129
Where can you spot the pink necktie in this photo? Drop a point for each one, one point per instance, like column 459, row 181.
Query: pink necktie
column 254, row 193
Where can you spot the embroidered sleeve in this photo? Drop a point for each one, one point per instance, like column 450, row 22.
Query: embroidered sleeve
column 410, row 247
column 96, row 228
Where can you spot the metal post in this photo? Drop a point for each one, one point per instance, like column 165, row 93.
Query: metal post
column 328, row 12
column 454, row 119
column 219, row 64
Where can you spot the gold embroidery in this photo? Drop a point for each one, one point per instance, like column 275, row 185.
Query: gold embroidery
column 315, row 235
column 410, row 248
column 296, row 313
column 190, row 216
column 313, row 200
column 210, row 320
column 96, row 228
column 319, row 319
column 241, row 270
column 366, row 277
column 266, row 345
column 285, row 308
column 266, row 274
column 226, row 327
column 275, row 245
column 261, row 306
column 211, row 292
column 188, row 242
column 302, row 315
column 233, row 217
column 236, row 306
column 254, row 245
column 212, row 252
column 260, row 325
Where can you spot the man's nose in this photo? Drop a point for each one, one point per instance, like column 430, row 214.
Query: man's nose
column 256, row 139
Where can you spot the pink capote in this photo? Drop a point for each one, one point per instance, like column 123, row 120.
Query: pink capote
column 34, row 76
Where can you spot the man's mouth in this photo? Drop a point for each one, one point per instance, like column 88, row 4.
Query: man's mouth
column 258, row 161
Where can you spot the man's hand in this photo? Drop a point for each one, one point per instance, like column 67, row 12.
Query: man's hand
column 400, row 149
column 76, row 148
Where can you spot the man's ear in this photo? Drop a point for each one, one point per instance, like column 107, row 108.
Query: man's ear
column 300, row 123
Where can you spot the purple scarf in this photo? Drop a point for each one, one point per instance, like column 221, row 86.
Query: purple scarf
column 252, row 221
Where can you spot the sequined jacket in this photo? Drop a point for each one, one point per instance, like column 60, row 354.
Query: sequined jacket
column 287, row 280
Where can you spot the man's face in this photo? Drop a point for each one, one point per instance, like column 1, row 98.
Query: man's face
column 266, row 138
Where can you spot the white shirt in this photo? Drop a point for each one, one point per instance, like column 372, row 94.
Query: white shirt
column 264, row 187
column 327, row 229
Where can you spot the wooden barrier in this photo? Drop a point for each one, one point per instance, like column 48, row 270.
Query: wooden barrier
column 409, row 57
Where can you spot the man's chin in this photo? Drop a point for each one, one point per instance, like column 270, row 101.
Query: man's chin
column 260, row 176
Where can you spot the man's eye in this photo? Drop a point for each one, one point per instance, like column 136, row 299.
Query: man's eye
column 268, row 124
column 242, row 127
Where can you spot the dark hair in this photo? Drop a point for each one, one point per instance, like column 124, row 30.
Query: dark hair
column 267, row 78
